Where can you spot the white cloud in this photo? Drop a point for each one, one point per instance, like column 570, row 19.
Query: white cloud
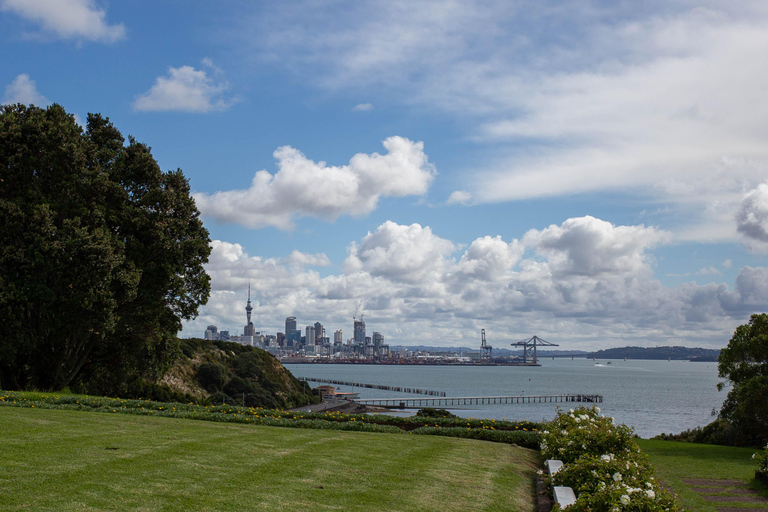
column 491, row 258
column 399, row 253
column 459, row 197
column 186, row 89
column 363, row 107
column 416, row 291
column 590, row 246
column 302, row 187
column 708, row 271
column 23, row 90
column 727, row 264
column 68, row 19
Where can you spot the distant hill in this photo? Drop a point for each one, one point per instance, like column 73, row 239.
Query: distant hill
column 676, row 353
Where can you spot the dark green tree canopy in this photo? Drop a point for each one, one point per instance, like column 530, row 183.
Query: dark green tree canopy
column 101, row 254
column 744, row 363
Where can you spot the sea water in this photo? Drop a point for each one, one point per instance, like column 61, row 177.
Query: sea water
column 650, row 396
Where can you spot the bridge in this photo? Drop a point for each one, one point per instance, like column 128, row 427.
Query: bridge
column 476, row 400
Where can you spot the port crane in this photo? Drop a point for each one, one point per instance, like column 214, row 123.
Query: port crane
column 529, row 348
column 485, row 349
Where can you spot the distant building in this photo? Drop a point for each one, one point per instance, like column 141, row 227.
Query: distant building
column 319, row 333
column 292, row 334
column 211, row 333
column 338, row 337
column 378, row 340
column 359, row 329
column 309, row 336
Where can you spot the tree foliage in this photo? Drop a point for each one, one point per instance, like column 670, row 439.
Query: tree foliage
column 101, row 254
column 744, row 363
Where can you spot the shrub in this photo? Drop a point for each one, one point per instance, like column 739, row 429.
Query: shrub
column 589, row 473
column 584, row 431
column 430, row 412
column 620, row 496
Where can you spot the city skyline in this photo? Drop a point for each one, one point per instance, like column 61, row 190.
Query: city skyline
column 592, row 173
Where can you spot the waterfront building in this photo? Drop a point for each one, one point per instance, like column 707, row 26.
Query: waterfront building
column 319, row 333
column 338, row 337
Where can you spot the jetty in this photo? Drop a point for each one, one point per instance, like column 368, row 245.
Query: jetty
column 376, row 386
column 476, row 400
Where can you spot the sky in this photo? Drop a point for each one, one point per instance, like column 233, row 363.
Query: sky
column 593, row 172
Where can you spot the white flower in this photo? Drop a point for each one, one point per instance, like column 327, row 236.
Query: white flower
column 754, row 455
column 649, row 484
column 617, row 477
column 597, row 409
column 577, row 419
column 624, row 499
column 594, row 473
column 605, row 458
column 650, row 494
column 564, row 432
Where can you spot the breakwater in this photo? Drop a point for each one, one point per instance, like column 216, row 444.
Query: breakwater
column 375, row 386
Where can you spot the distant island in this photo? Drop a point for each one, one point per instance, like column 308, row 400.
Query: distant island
column 675, row 353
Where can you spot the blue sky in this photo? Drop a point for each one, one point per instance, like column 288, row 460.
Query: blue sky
column 592, row 172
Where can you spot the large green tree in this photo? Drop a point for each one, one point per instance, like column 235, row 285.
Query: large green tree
column 101, row 254
column 744, row 363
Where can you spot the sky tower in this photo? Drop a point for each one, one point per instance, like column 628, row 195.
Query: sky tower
column 248, row 330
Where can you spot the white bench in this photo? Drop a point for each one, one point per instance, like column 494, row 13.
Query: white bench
column 564, row 496
column 553, row 466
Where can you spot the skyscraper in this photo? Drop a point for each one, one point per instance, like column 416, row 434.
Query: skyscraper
column 292, row 335
column 360, row 331
column 319, row 332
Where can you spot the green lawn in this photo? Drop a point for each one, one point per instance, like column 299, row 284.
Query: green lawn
column 71, row 460
column 675, row 461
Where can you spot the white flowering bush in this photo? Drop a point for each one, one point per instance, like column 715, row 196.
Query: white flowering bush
column 602, row 464
column 589, row 473
column 620, row 497
column 585, row 431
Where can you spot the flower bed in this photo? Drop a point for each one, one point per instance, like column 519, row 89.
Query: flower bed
column 602, row 464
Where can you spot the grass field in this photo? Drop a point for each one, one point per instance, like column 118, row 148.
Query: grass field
column 675, row 461
column 71, row 460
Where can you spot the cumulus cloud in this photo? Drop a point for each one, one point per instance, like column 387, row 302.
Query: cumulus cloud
column 186, row 89
column 491, row 258
column 23, row 90
column 727, row 264
column 363, row 107
column 590, row 246
column 418, row 287
column 302, row 187
column 752, row 216
column 68, row 19
column 708, row 271
column 400, row 253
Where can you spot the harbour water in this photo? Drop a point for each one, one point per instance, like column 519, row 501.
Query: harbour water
column 650, row 396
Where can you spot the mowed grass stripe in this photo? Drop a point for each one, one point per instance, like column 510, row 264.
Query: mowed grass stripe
column 72, row 460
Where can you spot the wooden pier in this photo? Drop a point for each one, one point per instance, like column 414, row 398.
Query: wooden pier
column 477, row 400
column 375, row 386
